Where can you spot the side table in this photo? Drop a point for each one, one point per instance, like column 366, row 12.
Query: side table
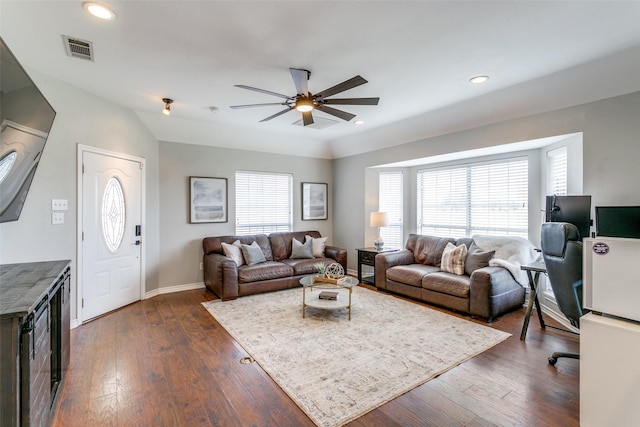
column 367, row 256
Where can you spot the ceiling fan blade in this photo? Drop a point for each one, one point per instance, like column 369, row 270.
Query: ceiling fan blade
column 352, row 101
column 268, row 92
column 307, row 118
column 341, row 87
column 277, row 114
column 338, row 113
column 235, row 107
column 301, row 80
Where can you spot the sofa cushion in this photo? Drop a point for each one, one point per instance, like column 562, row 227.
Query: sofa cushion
column 319, row 244
column 477, row 258
column 253, row 254
column 447, row 283
column 467, row 241
column 428, row 249
column 264, row 271
column 302, row 266
column 234, row 251
column 213, row 245
column 453, row 259
column 411, row 274
column 281, row 242
column 301, row 250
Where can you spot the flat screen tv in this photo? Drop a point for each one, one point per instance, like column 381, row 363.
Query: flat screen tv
column 25, row 121
column 575, row 210
column 618, row 221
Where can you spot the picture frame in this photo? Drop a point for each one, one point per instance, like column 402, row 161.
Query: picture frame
column 314, row 201
column 208, row 199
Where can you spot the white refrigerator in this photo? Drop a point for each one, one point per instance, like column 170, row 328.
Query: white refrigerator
column 610, row 343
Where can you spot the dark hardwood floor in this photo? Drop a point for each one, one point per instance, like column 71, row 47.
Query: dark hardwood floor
column 166, row 362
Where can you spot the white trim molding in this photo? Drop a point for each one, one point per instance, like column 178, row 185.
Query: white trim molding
column 172, row 289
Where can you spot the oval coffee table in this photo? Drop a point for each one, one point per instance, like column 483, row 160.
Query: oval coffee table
column 343, row 290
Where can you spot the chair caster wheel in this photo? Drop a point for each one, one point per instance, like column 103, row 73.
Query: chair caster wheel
column 552, row 361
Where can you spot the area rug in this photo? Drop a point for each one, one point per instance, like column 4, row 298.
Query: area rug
column 336, row 370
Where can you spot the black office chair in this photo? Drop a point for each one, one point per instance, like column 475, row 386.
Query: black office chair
column 562, row 253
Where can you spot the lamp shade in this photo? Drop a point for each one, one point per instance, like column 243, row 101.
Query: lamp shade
column 379, row 219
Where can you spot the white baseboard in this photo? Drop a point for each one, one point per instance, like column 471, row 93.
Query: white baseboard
column 172, row 289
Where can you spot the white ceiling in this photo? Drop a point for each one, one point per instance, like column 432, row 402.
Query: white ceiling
column 417, row 56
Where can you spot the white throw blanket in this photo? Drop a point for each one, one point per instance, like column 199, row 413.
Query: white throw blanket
column 511, row 253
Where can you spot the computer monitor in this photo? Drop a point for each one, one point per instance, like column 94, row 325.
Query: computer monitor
column 575, row 210
column 618, row 221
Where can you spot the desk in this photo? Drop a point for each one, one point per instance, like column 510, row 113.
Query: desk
column 533, row 273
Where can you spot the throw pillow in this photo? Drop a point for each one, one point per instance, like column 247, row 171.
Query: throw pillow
column 234, row 252
column 253, row 254
column 477, row 258
column 301, row 250
column 453, row 259
column 319, row 243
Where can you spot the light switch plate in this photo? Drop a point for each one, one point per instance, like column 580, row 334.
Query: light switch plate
column 59, row 205
column 57, row 218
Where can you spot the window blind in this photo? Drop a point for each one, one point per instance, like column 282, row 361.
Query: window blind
column 556, row 185
column 557, row 172
column 390, row 200
column 263, row 202
column 479, row 198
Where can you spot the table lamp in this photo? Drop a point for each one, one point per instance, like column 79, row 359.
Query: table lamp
column 379, row 219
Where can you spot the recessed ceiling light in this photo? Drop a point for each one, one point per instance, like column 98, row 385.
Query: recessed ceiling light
column 478, row 79
column 359, row 122
column 99, row 10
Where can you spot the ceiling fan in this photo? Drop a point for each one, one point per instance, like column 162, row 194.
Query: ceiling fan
column 305, row 102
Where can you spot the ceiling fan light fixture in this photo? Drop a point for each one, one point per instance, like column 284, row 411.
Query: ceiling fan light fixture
column 167, row 106
column 304, row 105
column 99, row 10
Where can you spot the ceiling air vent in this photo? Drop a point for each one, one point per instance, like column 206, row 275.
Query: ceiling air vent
column 78, row 48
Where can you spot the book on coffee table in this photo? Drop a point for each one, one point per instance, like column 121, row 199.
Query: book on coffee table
column 328, row 295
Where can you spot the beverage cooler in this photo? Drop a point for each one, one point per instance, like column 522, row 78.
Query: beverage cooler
column 612, row 276
column 610, row 343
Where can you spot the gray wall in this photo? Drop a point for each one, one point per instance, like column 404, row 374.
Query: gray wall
column 181, row 248
column 611, row 154
column 611, row 151
column 81, row 119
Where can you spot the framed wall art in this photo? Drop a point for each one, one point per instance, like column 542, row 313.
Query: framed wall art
column 208, row 198
column 314, row 201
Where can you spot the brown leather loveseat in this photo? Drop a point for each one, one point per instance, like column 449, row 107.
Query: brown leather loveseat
column 228, row 280
column 481, row 290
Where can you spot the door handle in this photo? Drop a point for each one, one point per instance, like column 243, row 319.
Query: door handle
column 137, row 243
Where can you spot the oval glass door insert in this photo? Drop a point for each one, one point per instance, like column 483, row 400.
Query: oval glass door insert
column 113, row 214
column 6, row 164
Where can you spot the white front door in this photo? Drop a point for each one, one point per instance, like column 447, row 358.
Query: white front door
column 111, row 232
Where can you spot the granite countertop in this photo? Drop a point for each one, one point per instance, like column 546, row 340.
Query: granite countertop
column 23, row 285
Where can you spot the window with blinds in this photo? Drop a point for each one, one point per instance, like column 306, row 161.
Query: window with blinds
column 478, row 198
column 263, row 202
column 556, row 186
column 390, row 200
column 557, row 172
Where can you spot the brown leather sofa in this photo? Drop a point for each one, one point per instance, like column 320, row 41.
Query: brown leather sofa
column 223, row 277
column 488, row 292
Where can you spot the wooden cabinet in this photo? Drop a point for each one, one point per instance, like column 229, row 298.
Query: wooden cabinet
column 34, row 340
column 367, row 256
column 35, row 357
